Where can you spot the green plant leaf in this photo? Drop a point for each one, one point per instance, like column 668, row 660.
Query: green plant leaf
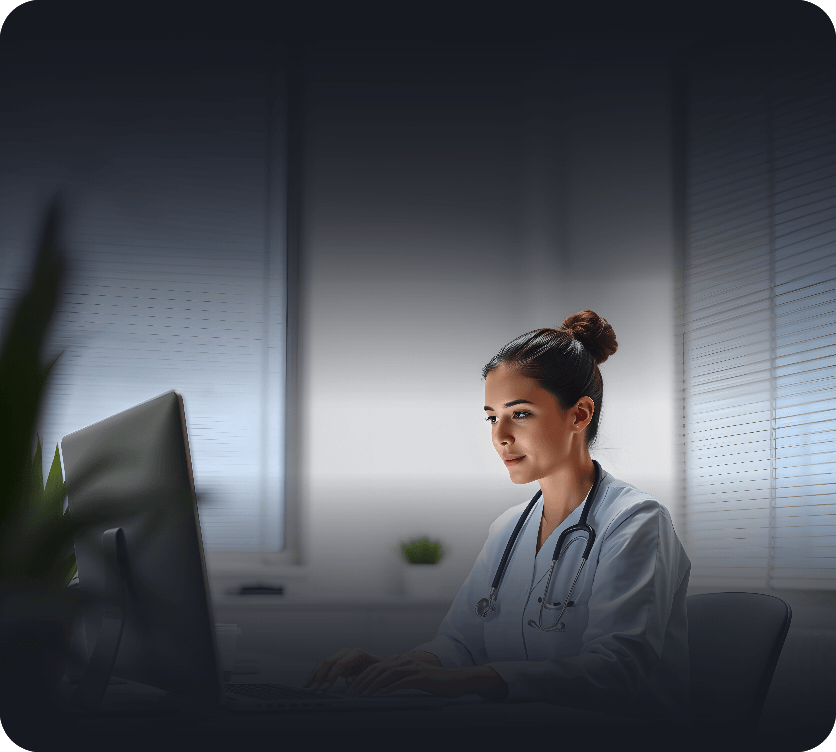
column 55, row 486
column 36, row 475
column 69, row 570
column 35, row 541
column 22, row 376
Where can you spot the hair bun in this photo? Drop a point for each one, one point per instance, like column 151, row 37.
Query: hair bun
column 594, row 333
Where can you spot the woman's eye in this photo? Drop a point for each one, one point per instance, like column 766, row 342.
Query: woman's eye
column 518, row 415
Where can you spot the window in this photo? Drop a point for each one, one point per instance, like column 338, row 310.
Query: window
column 171, row 162
column 760, row 320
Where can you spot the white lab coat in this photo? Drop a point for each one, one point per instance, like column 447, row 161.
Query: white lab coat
column 624, row 646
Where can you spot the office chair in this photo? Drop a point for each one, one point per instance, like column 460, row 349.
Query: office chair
column 734, row 640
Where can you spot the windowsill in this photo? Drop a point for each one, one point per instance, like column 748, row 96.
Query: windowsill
column 228, row 573
column 293, row 588
column 264, row 602
column 253, row 561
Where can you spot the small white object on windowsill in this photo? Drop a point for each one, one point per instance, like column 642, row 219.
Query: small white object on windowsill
column 423, row 581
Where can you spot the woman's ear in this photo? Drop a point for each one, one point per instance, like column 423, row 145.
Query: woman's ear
column 584, row 410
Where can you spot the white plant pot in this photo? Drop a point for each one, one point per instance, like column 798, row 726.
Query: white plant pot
column 422, row 580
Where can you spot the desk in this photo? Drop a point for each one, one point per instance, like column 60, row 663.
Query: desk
column 134, row 717
column 154, row 722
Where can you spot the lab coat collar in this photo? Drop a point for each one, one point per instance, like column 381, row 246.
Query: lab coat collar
column 542, row 560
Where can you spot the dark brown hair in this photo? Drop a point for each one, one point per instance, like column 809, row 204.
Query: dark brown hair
column 564, row 361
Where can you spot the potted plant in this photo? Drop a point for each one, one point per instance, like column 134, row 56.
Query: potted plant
column 421, row 575
column 36, row 610
column 36, row 560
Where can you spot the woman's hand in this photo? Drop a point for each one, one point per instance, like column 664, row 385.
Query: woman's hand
column 348, row 663
column 402, row 672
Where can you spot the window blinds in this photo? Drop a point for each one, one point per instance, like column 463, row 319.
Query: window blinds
column 170, row 170
column 759, row 323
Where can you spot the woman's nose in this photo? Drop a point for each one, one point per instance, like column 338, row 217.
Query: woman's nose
column 503, row 435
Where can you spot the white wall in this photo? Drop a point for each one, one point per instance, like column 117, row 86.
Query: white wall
column 452, row 203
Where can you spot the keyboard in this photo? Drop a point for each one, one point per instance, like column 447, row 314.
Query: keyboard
column 275, row 692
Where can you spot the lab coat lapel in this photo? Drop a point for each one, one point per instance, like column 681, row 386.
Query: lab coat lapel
column 544, row 556
column 503, row 636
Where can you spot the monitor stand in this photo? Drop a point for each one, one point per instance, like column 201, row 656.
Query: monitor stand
column 96, row 676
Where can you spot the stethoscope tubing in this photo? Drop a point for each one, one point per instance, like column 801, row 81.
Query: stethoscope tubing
column 500, row 570
column 487, row 605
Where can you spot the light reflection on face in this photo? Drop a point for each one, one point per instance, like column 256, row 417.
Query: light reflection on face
column 527, row 422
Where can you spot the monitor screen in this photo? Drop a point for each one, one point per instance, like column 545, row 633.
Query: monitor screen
column 133, row 471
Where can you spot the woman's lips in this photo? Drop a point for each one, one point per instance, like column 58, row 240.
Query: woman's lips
column 515, row 460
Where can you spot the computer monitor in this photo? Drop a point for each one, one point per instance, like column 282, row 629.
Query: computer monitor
column 133, row 471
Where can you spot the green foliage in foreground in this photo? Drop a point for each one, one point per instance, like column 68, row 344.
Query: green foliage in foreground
column 36, row 553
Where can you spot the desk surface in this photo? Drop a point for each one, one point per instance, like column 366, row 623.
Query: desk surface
column 135, row 717
column 126, row 700
column 150, row 720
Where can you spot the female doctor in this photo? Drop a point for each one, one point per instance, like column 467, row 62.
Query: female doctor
column 598, row 624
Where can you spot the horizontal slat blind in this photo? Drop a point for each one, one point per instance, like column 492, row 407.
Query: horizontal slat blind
column 759, row 324
column 727, row 326
column 174, row 282
column 805, row 326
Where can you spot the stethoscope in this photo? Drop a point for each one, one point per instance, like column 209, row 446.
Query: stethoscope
column 487, row 608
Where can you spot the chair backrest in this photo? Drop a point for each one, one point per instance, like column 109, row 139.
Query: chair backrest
column 734, row 641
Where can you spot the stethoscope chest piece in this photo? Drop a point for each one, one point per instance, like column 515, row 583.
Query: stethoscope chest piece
column 487, row 609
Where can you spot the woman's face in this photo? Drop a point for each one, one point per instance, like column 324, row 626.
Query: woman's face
column 533, row 435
